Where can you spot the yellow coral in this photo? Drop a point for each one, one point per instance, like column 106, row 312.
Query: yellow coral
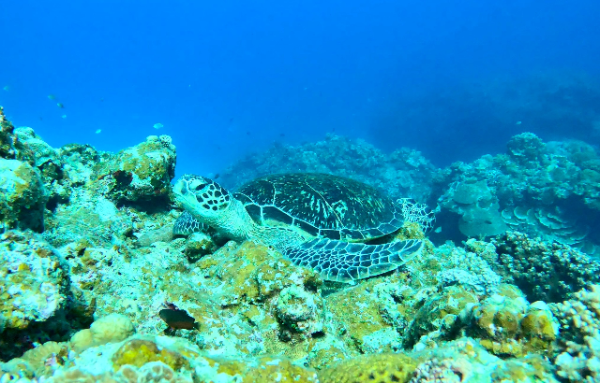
column 150, row 372
column 279, row 370
column 379, row 368
column 266, row 369
column 138, row 352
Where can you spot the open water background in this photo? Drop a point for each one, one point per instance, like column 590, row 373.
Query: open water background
column 452, row 79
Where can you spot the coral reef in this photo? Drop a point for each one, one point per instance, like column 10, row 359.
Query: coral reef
column 508, row 325
column 541, row 189
column 33, row 290
column 87, row 297
column 478, row 209
column 43, row 157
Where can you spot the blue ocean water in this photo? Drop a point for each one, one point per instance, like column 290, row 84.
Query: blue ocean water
column 226, row 78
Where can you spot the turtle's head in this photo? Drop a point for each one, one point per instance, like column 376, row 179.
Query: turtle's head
column 202, row 197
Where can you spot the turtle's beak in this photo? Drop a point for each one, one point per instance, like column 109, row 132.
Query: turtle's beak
column 181, row 192
column 180, row 187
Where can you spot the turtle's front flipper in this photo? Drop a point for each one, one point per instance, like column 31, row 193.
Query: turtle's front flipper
column 346, row 262
column 187, row 224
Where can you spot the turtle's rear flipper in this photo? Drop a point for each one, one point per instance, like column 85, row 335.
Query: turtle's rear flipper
column 346, row 262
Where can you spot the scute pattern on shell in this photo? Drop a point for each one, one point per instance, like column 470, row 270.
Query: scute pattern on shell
column 322, row 204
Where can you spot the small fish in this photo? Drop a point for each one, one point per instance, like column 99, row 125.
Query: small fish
column 6, row 88
column 178, row 319
column 518, row 123
column 52, row 97
column 98, row 131
column 158, row 125
column 248, row 133
column 60, row 105
column 64, row 116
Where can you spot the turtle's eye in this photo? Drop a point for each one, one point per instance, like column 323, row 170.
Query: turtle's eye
column 211, row 196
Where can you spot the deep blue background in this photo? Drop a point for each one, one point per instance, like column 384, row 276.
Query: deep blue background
column 228, row 77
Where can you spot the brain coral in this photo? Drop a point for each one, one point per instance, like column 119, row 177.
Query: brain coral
column 111, row 328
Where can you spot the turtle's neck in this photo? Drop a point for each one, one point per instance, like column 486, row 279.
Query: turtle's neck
column 235, row 222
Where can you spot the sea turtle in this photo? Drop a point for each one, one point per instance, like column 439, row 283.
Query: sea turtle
column 342, row 228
